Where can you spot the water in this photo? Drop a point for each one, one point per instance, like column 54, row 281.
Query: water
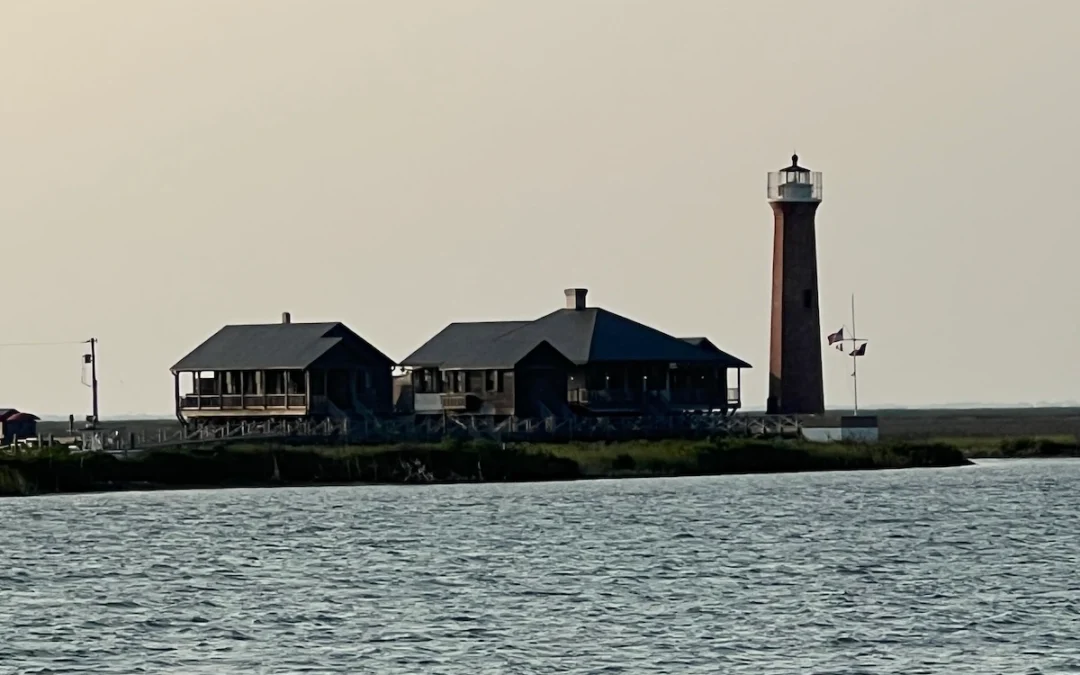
column 969, row 570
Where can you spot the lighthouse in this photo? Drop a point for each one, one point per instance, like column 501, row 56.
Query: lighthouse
column 795, row 381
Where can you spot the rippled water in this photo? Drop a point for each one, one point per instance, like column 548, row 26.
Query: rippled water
column 971, row 570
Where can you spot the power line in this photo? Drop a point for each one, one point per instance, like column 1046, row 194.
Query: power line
column 42, row 344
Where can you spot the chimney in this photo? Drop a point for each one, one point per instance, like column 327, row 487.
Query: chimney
column 575, row 298
column 286, row 317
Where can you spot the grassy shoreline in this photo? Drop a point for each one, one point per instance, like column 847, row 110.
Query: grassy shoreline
column 56, row 471
column 1044, row 447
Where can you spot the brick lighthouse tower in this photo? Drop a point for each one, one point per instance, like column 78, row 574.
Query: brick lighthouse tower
column 795, row 380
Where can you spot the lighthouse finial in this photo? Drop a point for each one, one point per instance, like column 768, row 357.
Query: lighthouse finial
column 795, row 159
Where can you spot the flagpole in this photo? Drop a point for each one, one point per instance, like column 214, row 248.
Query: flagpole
column 854, row 351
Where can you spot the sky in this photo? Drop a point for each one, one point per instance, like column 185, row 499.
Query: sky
column 168, row 167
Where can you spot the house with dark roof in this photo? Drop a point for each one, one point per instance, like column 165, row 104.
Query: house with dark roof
column 576, row 360
column 283, row 370
column 487, row 369
column 15, row 425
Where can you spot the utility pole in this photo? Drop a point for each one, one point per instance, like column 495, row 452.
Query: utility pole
column 91, row 358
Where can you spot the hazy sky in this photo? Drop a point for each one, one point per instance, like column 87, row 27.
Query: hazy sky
column 169, row 167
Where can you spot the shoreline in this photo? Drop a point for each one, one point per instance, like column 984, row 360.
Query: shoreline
column 281, row 464
column 58, row 471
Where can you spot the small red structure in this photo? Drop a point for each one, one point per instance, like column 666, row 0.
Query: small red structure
column 15, row 424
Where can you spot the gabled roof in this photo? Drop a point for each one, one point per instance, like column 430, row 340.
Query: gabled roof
column 461, row 343
column 269, row 347
column 503, row 353
column 588, row 335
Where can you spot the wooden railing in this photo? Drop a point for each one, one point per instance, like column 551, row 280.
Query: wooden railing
column 604, row 397
column 242, row 402
column 402, row 429
column 621, row 397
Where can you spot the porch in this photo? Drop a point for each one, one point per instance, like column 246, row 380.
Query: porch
column 654, row 388
column 691, row 398
column 272, row 393
column 230, row 392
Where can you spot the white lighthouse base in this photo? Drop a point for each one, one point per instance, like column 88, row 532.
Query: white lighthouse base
column 840, row 428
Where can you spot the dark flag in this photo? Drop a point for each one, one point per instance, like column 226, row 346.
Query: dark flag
column 839, row 348
column 838, row 336
column 860, row 350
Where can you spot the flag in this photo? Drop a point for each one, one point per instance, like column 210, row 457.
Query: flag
column 860, row 350
column 838, row 336
column 839, row 348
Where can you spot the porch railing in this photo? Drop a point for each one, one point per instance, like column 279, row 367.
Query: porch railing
column 243, row 402
column 621, row 397
column 604, row 396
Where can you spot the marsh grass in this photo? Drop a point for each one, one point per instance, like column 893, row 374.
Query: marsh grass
column 272, row 464
column 992, row 447
column 13, row 483
column 681, row 458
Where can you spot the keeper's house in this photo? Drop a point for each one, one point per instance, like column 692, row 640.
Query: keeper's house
column 286, row 370
column 578, row 360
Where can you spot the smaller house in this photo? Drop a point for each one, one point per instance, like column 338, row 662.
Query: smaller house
column 15, row 425
column 283, row 371
column 473, row 368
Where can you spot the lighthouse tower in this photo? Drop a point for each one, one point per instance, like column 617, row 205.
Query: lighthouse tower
column 795, row 380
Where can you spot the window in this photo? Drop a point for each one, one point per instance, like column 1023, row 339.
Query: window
column 807, row 298
column 493, row 381
column 297, row 382
column 251, row 383
column 426, row 380
column 275, row 382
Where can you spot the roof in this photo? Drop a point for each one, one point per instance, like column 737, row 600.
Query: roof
column 268, row 347
column 795, row 166
column 21, row 417
column 459, row 344
column 583, row 336
column 706, row 344
column 594, row 335
column 13, row 415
